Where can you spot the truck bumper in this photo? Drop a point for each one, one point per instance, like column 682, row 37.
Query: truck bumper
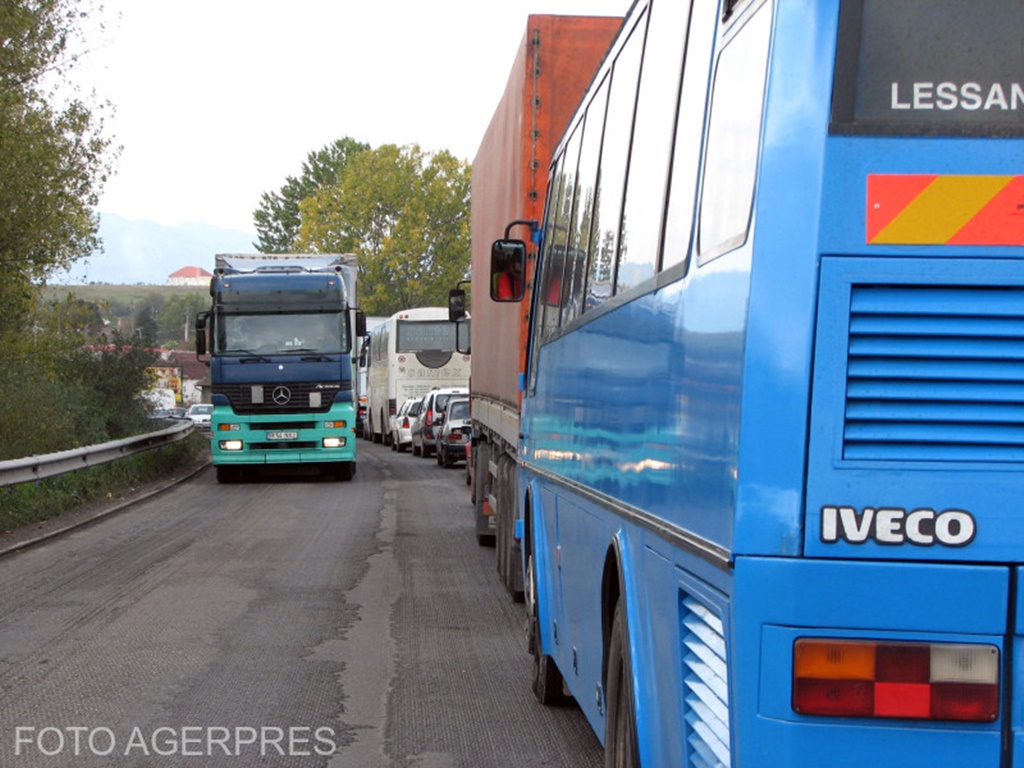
column 283, row 438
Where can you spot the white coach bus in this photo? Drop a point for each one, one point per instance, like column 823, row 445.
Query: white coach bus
column 411, row 353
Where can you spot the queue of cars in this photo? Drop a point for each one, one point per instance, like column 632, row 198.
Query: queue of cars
column 436, row 424
column 199, row 414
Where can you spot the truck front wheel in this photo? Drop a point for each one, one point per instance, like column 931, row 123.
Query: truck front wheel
column 344, row 470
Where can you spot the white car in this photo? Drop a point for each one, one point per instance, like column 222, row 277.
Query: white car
column 401, row 423
column 200, row 415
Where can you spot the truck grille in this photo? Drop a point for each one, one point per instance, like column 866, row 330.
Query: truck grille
column 289, row 397
column 935, row 374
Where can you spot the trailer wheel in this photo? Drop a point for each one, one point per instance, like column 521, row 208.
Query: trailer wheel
column 620, row 744
column 509, row 551
column 484, row 532
column 548, row 686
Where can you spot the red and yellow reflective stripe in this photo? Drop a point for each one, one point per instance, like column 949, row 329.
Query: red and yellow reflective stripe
column 931, row 209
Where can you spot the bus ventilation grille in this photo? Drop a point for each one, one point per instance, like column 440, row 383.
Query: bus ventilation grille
column 706, row 693
column 935, row 374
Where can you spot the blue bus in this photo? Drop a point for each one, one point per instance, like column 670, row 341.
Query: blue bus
column 771, row 486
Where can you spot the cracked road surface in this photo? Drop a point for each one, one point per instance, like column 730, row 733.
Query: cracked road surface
column 283, row 622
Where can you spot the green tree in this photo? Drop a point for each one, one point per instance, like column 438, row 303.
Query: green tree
column 277, row 218
column 145, row 323
column 60, row 389
column 177, row 318
column 405, row 214
column 73, row 316
column 53, row 156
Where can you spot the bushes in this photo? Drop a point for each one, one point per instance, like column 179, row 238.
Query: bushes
column 34, row 502
column 59, row 390
column 57, row 394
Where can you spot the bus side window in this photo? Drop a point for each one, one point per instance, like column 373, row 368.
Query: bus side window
column 557, row 292
column 556, row 236
column 587, row 180
column 734, row 134
column 689, row 129
column 614, row 156
column 652, row 143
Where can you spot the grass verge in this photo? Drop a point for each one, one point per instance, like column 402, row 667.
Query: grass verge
column 34, row 502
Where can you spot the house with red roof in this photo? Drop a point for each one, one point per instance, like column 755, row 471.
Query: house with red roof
column 190, row 276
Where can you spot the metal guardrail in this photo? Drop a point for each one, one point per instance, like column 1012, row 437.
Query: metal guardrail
column 50, row 464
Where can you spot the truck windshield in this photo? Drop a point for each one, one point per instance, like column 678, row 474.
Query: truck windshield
column 319, row 333
column 930, row 67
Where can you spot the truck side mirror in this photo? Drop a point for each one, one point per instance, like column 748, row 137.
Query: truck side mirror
column 201, row 320
column 359, row 321
column 508, row 270
column 462, row 345
column 456, row 304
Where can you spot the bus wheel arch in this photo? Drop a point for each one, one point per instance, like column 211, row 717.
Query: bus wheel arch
column 612, row 589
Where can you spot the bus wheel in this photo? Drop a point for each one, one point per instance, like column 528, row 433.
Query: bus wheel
column 620, row 743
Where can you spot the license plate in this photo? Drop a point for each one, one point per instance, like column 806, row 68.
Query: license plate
column 282, row 435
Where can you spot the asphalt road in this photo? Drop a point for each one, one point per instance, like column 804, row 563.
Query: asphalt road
column 283, row 622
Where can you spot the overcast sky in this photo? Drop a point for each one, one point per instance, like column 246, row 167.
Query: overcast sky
column 219, row 100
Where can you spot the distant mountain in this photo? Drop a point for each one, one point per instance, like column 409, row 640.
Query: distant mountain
column 138, row 251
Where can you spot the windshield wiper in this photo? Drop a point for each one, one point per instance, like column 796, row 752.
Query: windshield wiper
column 316, row 357
column 256, row 356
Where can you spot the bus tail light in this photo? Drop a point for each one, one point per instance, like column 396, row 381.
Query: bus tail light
column 923, row 681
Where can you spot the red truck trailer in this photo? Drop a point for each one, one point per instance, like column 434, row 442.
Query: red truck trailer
column 553, row 67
